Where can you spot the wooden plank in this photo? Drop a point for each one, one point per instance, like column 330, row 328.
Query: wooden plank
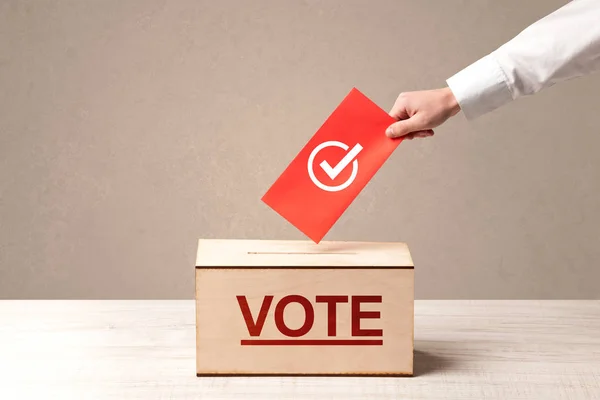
column 145, row 349
column 335, row 340
column 299, row 253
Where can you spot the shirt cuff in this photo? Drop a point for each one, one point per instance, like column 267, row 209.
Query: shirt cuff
column 480, row 88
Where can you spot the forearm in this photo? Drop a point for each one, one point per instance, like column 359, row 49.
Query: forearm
column 561, row 46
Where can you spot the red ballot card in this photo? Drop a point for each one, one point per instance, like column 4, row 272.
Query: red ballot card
column 334, row 166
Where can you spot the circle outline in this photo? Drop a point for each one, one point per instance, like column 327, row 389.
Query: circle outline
column 311, row 173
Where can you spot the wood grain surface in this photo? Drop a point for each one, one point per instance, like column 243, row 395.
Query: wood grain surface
column 300, row 253
column 146, row 350
column 221, row 325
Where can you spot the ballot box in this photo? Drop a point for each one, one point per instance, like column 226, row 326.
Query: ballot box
column 269, row 307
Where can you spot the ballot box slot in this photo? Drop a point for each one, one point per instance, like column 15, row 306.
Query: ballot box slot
column 295, row 253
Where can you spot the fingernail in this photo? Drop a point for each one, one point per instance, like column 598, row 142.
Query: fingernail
column 389, row 132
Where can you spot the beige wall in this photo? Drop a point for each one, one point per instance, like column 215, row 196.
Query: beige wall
column 129, row 129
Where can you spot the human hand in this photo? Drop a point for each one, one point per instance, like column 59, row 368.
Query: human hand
column 419, row 112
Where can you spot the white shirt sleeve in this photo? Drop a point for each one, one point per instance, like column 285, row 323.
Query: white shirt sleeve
column 560, row 46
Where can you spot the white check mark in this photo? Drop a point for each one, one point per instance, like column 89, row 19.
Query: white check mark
column 348, row 158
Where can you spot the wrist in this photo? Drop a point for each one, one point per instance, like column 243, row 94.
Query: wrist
column 451, row 103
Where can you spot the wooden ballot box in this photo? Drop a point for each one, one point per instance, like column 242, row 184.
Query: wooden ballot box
column 297, row 308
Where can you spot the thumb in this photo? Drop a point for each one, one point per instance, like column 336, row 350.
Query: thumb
column 402, row 128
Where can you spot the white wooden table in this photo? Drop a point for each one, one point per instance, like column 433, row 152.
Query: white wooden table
column 145, row 350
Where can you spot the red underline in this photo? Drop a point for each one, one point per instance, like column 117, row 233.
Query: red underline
column 312, row 342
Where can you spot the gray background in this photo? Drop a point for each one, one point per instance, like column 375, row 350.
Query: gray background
column 129, row 129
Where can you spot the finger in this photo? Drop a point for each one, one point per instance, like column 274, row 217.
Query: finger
column 404, row 127
column 419, row 134
column 398, row 111
column 424, row 134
